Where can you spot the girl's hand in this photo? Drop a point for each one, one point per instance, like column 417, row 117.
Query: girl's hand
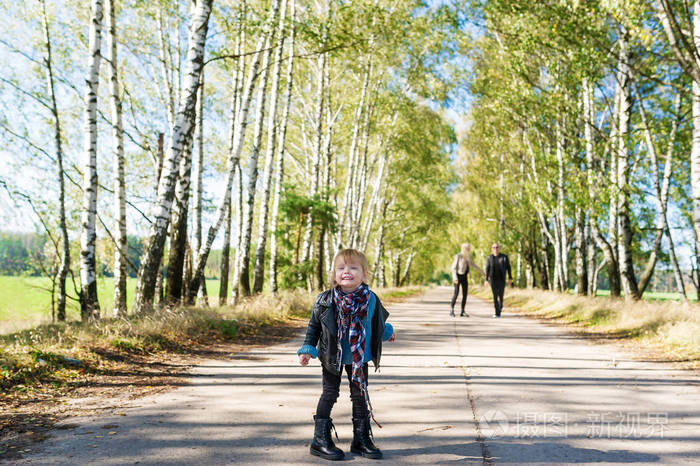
column 304, row 359
column 393, row 336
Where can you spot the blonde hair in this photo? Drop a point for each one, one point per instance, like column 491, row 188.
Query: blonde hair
column 350, row 256
column 465, row 251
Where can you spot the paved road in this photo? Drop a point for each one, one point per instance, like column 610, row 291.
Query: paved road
column 474, row 390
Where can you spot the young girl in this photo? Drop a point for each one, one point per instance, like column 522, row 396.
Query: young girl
column 346, row 330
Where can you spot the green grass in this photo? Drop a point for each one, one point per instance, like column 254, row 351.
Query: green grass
column 654, row 295
column 26, row 301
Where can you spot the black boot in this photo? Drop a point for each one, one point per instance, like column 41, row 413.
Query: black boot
column 464, row 314
column 322, row 445
column 452, row 312
column 362, row 439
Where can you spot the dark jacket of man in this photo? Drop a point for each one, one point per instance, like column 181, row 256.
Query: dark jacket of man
column 497, row 267
column 322, row 331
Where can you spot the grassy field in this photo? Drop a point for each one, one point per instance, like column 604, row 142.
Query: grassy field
column 26, row 301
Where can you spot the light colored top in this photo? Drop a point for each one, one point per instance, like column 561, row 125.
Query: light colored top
column 459, row 266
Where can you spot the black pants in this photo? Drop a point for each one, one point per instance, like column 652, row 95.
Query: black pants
column 331, row 390
column 498, row 287
column 461, row 281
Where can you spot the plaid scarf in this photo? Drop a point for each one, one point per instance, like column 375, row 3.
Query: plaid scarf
column 352, row 310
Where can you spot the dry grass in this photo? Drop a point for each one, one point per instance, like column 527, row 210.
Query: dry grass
column 58, row 352
column 668, row 327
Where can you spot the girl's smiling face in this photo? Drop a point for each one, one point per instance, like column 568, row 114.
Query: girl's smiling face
column 349, row 275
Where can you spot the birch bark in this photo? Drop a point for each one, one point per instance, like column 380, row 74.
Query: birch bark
column 685, row 49
column 89, row 305
column 317, row 148
column 234, row 157
column 232, row 163
column 279, row 169
column 120, row 249
column 695, row 147
column 661, row 188
column 624, row 244
column 181, row 134
column 62, row 226
column 198, row 188
column 352, row 156
column 581, row 272
column 174, row 285
column 261, row 242
column 587, row 91
column 253, row 173
column 225, row 255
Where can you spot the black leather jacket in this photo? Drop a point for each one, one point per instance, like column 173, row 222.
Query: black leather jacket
column 322, row 331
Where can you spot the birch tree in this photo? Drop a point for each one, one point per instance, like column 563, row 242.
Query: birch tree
column 120, row 247
column 661, row 188
column 261, row 242
column 682, row 27
column 181, row 134
column 64, row 250
column 247, row 227
column 279, row 160
column 89, row 305
column 262, row 48
column 629, row 281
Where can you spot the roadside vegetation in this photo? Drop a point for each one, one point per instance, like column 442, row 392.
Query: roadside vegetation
column 666, row 330
column 54, row 355
column 26, row 301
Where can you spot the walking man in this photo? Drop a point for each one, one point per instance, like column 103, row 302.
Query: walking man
column 497, row 266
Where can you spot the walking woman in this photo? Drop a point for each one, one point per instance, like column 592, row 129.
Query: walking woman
column 460, row 269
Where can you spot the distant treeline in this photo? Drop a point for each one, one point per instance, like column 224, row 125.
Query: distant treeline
column 31, row 254
column 21, row 253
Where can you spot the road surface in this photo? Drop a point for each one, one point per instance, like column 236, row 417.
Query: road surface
column 451, row 390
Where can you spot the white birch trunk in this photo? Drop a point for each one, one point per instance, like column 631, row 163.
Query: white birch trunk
column 317, row 148
column 352, row 155
column 279, row 169
column 181, row 133
column 379, row 248
column 225, row 255
column 261, row 243
column 685, row 49
column 560, row 245
column 695, row 144
column 581, row 272
column 89, row 305
column 253, row 173
column 198, row 188
column 588, row 141
column 62, row 226
column 661, row 188
column 232, row 163
column 407, row 268
column 120, row 248
column 166, row 63
column 235, row 279
column 624, row 252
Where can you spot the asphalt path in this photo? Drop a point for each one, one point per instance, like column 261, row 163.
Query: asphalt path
column 450, row 390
